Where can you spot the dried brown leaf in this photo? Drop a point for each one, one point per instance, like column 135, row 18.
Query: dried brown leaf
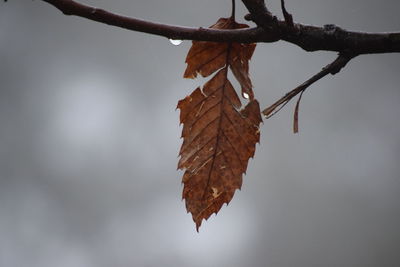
column 296, row 115
column 219, row 138
column 205, row 58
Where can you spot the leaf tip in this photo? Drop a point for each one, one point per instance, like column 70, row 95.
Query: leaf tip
column 296, row 115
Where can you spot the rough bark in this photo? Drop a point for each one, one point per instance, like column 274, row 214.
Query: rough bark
column 269, row 29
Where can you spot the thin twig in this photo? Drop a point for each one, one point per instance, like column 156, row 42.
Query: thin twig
column 331, row 68
column 288, row 17
column 233, row 10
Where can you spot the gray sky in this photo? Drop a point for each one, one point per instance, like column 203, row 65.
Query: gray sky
column 89, row 138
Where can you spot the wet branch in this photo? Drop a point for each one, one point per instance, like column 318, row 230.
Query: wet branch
column 73, row 8
column 270, row 29
column 328, row 38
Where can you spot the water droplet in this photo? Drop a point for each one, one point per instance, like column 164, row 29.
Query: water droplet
column 175, row 42
column 246, row 95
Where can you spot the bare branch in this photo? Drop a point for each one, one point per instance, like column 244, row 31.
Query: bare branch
column 70, row 7
column 328, row 38
column 309, row 38
column 331, row 68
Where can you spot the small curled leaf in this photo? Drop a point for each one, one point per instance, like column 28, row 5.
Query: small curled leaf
column 296, row 115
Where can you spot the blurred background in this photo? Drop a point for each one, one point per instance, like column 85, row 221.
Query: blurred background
column 89, row 138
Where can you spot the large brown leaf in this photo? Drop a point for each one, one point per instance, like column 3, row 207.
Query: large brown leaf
column 219, row 138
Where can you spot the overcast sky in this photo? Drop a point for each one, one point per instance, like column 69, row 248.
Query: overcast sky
column 89, row 138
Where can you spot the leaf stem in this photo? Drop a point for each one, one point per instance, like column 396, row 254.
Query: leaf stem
column 233, row 10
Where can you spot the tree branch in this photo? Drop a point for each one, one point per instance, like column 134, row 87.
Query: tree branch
column 331, row 68
column 270, row 29
column 70, row 7
column 328, row 38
